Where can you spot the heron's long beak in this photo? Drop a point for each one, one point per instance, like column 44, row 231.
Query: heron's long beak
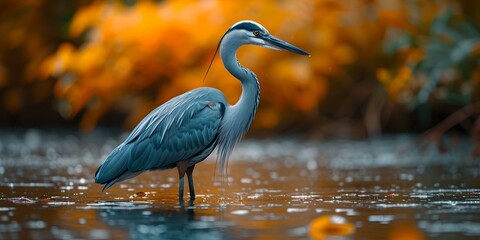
column 278, row 44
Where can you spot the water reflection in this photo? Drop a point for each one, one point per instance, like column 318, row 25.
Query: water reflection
column 163, row 222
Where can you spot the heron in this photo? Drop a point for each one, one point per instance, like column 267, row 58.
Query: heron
column 185, row 130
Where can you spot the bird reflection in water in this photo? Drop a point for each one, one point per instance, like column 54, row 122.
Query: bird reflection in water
column 167, row 222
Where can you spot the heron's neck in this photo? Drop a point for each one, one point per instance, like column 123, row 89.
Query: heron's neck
column 248, row 102
column 238, row 117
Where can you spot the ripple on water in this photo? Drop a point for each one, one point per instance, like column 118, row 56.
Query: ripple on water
column 10, row 227
column 22, row 200
column 467, row 228
column 398, row 205
column 255, row 196
column 347, row 211
column 99, row 234
column 246, row 180
column 296, row 210
column 151, row 230
column 240, row 212
column 6, row 209
column 61, row 203
column 27, row 184
column 383, row 219
column 304, row 197
column 118, row 205
column 36, row 224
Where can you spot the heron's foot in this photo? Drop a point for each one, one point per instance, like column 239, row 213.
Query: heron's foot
column 180, row 198
column 181, row 203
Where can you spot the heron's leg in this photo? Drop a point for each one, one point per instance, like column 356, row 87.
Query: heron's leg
column 180, row 189
column 181, row 167
column 190, row 182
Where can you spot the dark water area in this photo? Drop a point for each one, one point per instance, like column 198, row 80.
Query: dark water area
column 275, row 189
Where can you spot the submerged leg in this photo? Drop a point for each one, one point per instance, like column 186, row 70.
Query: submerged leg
column 181, row 167
column 190, row 182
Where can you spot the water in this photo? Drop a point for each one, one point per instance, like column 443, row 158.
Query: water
column 282, row 188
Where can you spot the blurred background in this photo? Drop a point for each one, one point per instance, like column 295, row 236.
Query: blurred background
column 377, row 67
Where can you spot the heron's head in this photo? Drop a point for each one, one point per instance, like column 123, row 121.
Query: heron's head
column 249, row 32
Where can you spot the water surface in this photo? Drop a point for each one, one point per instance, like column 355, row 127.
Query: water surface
column 274, row 189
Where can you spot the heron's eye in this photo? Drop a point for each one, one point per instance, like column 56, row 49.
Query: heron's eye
column 256, row 32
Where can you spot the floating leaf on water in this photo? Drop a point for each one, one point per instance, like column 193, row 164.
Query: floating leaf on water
column 324, row 226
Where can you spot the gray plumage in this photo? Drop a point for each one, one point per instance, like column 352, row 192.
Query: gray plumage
column 180, row 129
column 185, row 130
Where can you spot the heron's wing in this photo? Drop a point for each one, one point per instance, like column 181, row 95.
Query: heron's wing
column 171, row 114
column 180, row 138
column 180, row 129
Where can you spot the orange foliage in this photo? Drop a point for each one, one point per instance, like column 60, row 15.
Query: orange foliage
column 164, row 49
column 134, row 58
column 22, row 49
column 397, row 84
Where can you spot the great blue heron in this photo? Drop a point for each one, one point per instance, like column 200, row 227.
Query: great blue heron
column 185, row 130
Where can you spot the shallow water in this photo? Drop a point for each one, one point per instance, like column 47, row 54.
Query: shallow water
column 274, row 189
